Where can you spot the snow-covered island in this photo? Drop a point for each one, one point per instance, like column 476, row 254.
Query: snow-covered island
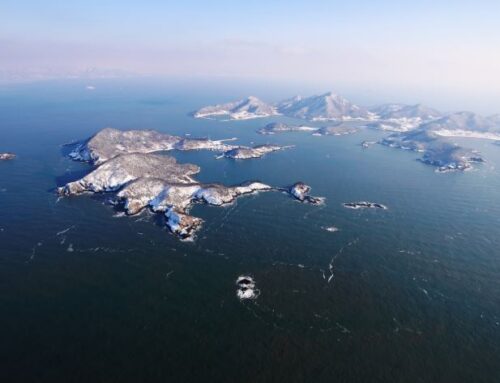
column 280, row 127
column 334, row 129
column 158, row 182
column 109, row 143
column 7, row 156
column 248, row 108
column 244, row 153
column 437, row 151
column 415, row 127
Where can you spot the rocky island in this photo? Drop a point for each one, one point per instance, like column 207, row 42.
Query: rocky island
column 109, row 143
column 7, row 156
column 416, row 127
column 246, row 288
column 280, row 127
column 437, row 151
column 248, row 108
column 244, row 153
column 337, row 129
column 301, row 191
column 159, row 183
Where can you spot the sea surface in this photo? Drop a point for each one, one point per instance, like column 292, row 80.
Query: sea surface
column 89, row 295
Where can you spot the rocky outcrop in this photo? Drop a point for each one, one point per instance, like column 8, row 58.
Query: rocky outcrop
column 7, row 156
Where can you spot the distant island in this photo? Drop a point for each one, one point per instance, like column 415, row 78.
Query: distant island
column 127, row 166
column 414, row 127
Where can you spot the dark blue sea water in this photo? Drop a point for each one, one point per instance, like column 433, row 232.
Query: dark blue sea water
column 89, row 296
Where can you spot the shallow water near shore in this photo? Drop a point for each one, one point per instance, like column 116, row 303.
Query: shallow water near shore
column 409, row 294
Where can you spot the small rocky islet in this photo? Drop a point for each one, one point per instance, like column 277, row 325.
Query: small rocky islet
column 127, row 166
column 7, row 156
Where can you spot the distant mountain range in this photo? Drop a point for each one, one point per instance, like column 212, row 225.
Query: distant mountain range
column 333, row 107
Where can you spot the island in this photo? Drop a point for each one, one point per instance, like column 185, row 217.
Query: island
column 158, row 182
column 337, row 129
column 7, row 156
column 109, row 143
column 244, row 153
column 414, row 127
column 248, row 108
column 437, row 151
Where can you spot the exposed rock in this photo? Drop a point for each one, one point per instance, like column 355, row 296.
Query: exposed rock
column 246, row 288
column 364, row 205
column 7, row 156
column 301, row 191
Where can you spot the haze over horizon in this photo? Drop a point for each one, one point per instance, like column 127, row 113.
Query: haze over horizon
column 441, row 53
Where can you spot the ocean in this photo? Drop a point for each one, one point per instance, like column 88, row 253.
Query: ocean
column 408, row 294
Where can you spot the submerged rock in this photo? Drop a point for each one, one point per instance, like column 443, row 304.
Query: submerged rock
column 7, row 156
column 364, row 205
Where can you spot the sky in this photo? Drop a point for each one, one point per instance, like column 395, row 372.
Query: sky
column 412, row 50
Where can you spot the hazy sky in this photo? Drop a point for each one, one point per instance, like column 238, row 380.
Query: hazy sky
column 439, row 47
